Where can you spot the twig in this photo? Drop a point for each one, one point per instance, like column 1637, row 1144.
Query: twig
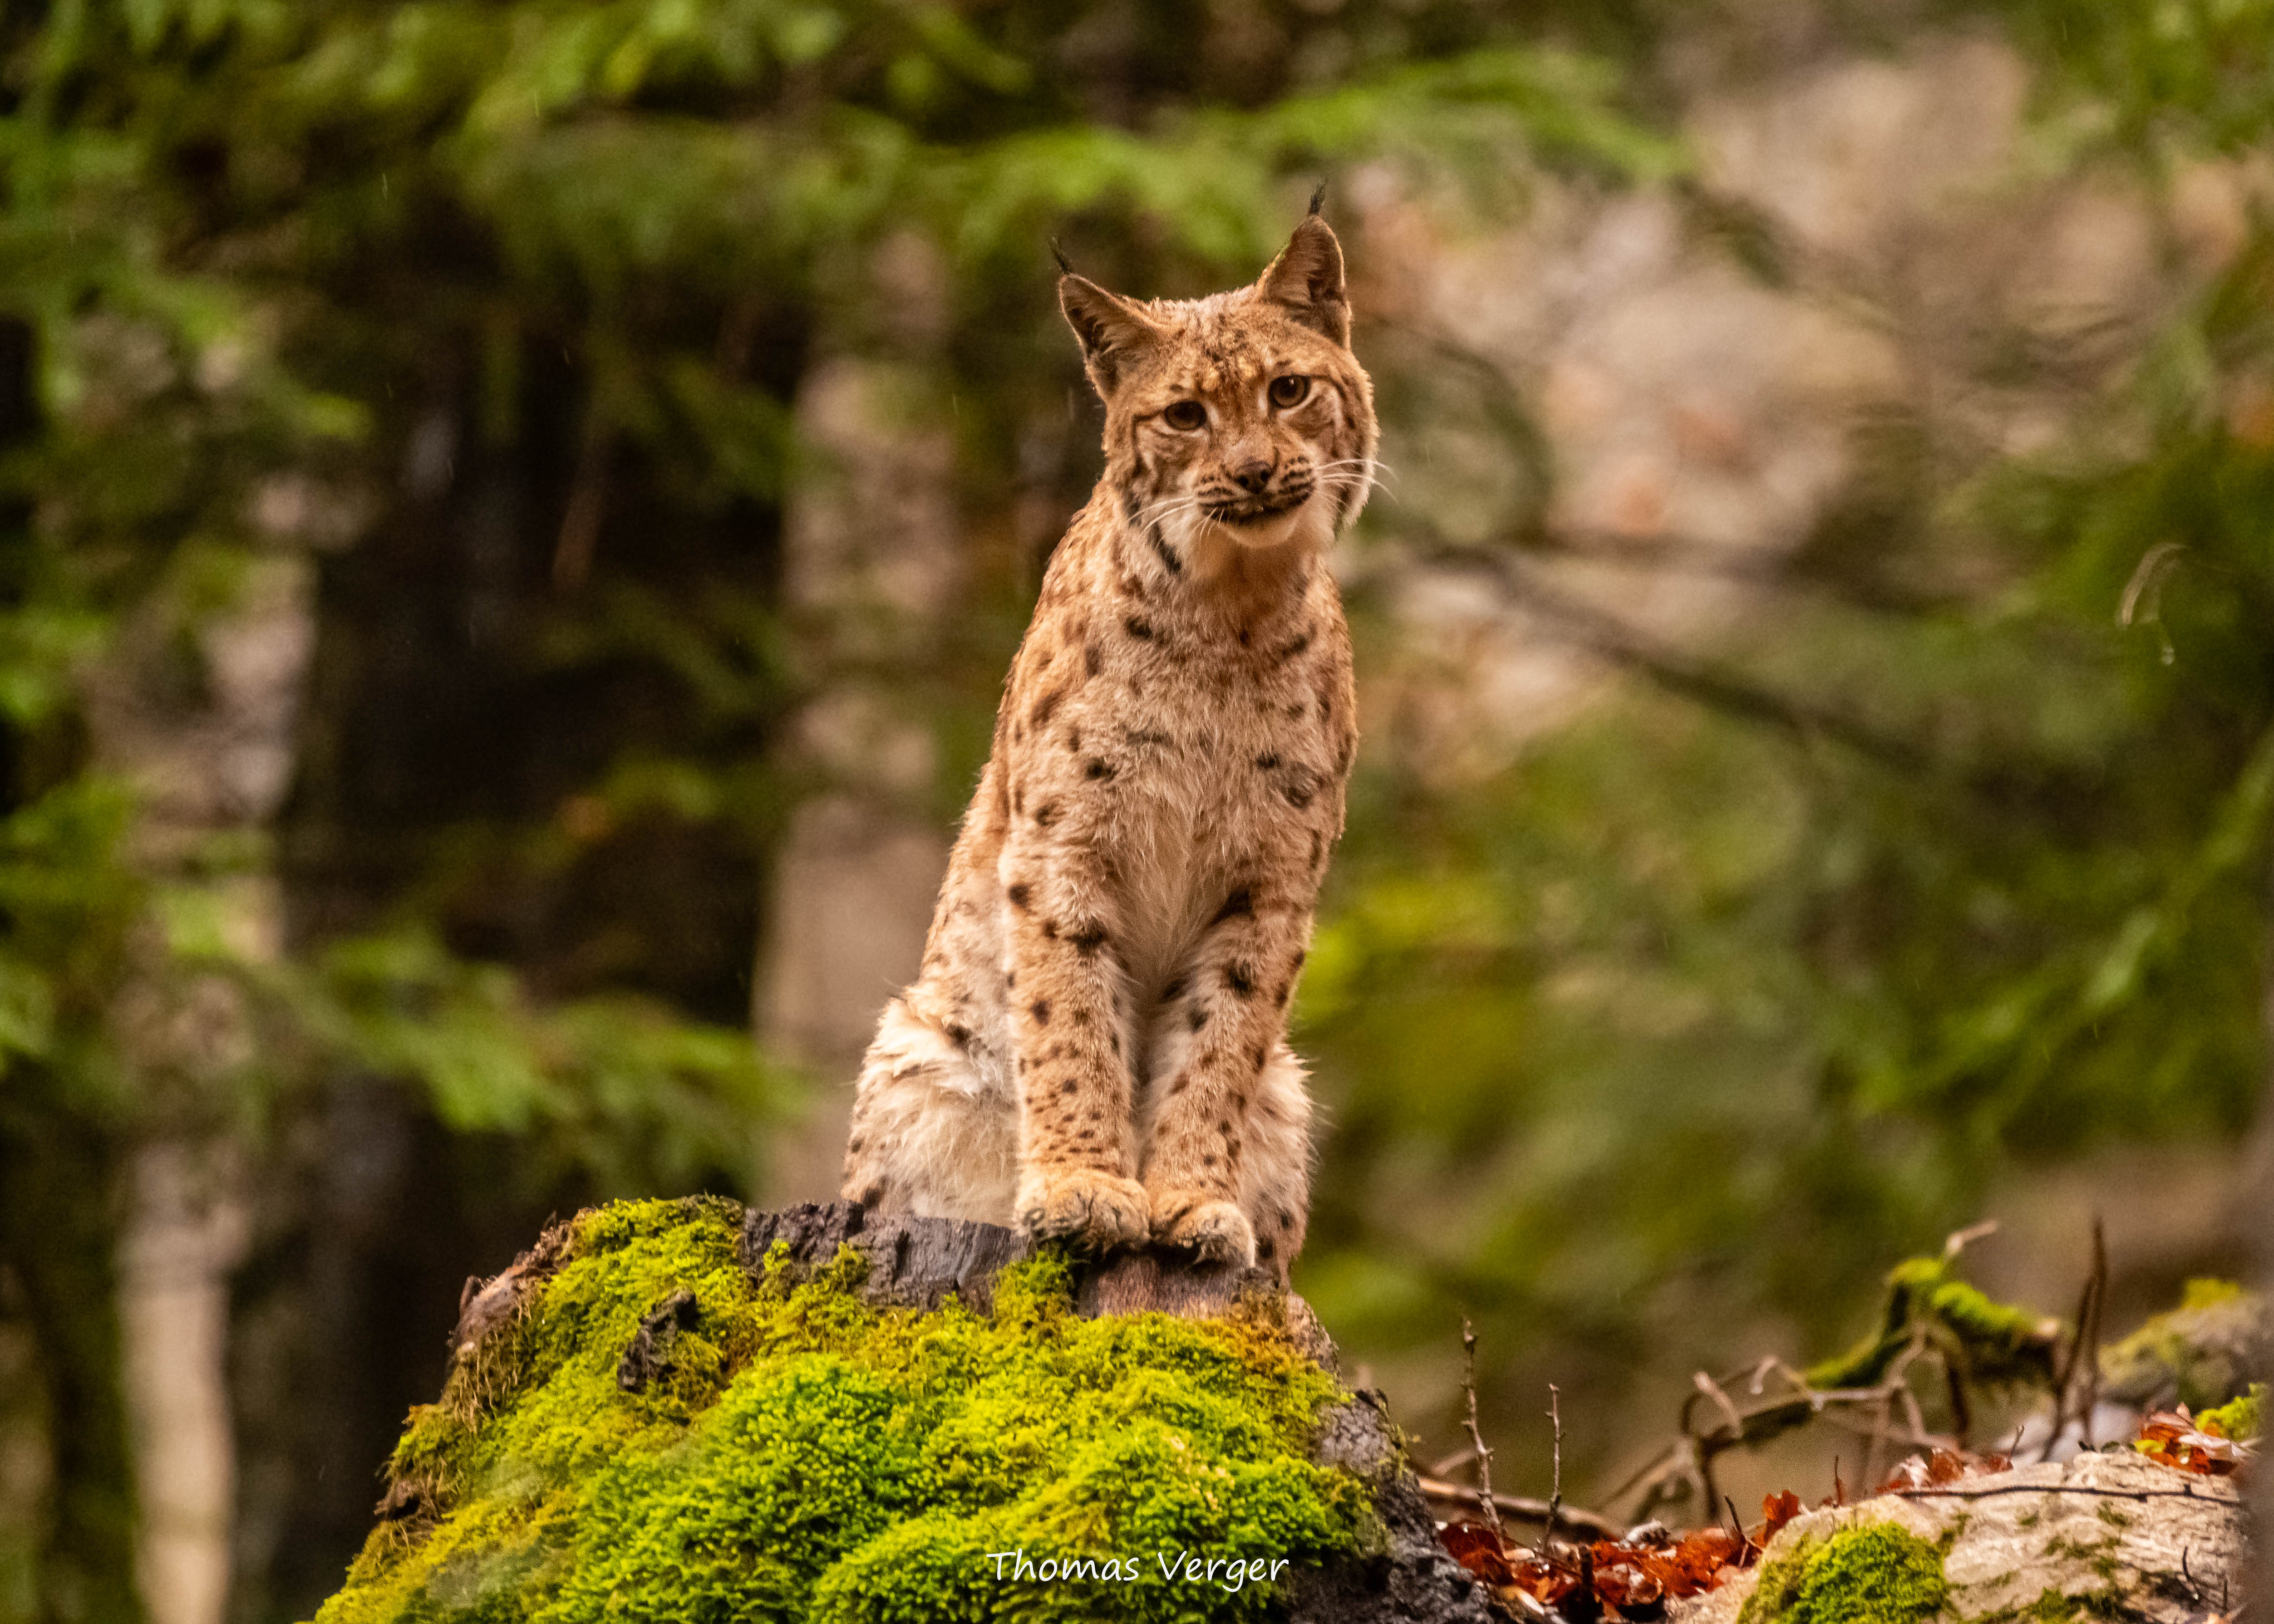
column 1961, row 1415
column 1712, row 1389
column 2088, row 1336
column 1451, row 1463
column 1523, row 1508
column 1555, row 1482
column 1872, row 1432
column 1881, row 1428
column 2187, row 1492
column 2082, row 1348
column 1959, row 1240
column 1745, row 1540
column 1477, row 1438
column 1706, row 1448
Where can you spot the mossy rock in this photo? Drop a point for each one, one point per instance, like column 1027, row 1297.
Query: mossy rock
column 2102, row 1539
column 2204, row 1353
column 1868, row 1573
column 673, row 1411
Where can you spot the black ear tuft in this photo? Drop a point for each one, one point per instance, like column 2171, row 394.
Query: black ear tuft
column 1319, row 197
column 1307, row 279
column 1113, row 331
column 1065, row 266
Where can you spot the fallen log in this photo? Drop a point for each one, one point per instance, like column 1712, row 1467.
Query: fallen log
column 2102, row 1539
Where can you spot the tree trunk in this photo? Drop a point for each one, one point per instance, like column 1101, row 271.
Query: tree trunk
column 210, row 760
column 183, row 1234
column 63, row 1280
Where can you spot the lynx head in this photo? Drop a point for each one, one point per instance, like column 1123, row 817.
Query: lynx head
column 1242, row 417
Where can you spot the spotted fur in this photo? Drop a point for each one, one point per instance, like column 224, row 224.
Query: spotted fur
column 1095, row 1047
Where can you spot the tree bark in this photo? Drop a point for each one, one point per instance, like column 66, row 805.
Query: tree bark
column 210, row 762
column 56, row 1243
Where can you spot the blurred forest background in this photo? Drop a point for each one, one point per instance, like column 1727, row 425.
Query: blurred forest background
column 514, row 514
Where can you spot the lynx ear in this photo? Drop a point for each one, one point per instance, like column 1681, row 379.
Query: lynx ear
column 1113, row 331
column 1307, row 279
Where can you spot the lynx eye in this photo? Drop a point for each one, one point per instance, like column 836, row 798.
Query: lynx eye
column 1292, row 390
column 1186, row 415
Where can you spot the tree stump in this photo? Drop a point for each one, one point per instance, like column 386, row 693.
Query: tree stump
column 919, row 1262
column 690, row 1404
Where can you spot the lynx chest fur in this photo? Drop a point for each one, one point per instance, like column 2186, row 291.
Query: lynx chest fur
column 1095, row 1048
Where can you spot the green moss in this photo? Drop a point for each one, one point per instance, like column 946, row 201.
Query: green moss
column 1876, row 1573
column 2195, row 1355
column 2238, row 1418
column 2200, row 1293
column 2099, row 1555
column 1778, row 1588
column 1995, row 1342
column 805, row 1457
column 1883, row 1573
column 2054, row 1606
column 1986, row 1339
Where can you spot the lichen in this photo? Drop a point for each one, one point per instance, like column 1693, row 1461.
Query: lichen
column 802, row 1455
column 1880, row 1573
column 2099, row 1555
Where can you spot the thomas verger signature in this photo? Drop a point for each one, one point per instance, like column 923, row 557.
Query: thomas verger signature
column 1180, row 1567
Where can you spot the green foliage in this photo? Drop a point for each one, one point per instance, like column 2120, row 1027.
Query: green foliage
column 2160, row 72
column 1957, row 865
column 389, row 292
column 619, row 1085
column 806, row 1456
column 1694, row 1000
column 219, row 245
column 2242, row 1419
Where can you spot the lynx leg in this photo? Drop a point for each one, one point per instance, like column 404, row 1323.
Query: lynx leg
column 932, row 1133
column 1275, row 1176
column 1271, row 1201
column 1234, row 998
column 1075, row 1150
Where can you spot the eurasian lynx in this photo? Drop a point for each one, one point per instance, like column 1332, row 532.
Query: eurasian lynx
column 1095, row 1045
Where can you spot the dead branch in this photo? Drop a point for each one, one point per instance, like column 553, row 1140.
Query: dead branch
column 2078, row 1377
column 1522, row 1508
column 1555, row 1482
column 1485, row 1496
column 2187, row 1491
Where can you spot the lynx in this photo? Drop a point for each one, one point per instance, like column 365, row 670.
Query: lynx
column 1095, row 1046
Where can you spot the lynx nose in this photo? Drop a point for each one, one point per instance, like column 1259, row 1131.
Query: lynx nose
column 1252, row 477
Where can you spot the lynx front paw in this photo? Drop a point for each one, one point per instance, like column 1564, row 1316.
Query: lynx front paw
column 1216, row 1231
column 1094, row 1210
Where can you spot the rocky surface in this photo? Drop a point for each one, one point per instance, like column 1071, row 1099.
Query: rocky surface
column 2101, row 1537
